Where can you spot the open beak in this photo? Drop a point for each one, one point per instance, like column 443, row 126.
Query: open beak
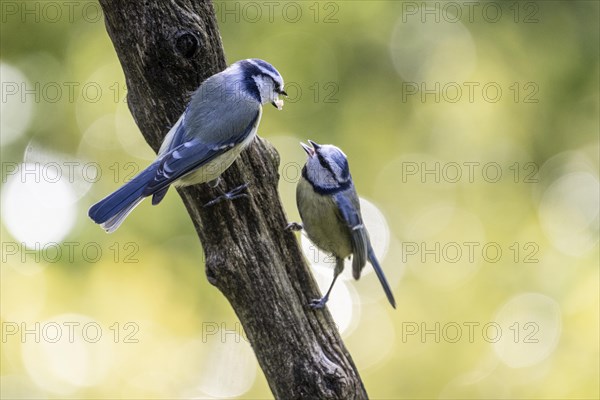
column 278, row 104
column 309, row 150
column 315, row 146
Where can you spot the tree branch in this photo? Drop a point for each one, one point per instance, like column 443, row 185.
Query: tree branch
column 166, row 50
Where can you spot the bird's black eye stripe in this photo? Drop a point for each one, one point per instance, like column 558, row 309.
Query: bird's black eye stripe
column 251, row 69
column 265, row 65
column 326, row 165
column 280, row 90
column 345, row 173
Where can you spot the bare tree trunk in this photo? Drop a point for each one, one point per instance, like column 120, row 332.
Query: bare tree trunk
column 167, row 48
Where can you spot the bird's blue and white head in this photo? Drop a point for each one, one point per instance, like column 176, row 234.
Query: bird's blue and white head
column 261, row 80
column 326, row 168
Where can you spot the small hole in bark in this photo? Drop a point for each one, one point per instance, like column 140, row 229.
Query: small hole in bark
column 187, row 43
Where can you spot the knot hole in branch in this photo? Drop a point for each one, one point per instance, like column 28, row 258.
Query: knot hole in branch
column 187, row 43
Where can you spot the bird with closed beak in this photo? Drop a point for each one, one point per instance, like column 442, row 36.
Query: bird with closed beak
column 220, row 120
column 331, row 217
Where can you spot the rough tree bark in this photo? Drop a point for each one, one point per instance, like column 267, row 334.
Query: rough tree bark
column 166, row 49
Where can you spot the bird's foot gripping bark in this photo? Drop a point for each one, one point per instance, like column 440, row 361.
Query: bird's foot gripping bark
column 317, row 304
column 233, row 194
column 294, row 227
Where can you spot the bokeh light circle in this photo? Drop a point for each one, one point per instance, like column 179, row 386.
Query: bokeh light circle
column 77, row 173
column 568, row 212
column 531, row 329
column 343, row 304
column 38, row 206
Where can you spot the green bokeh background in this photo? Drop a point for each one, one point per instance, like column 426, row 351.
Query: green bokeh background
column 351, row 69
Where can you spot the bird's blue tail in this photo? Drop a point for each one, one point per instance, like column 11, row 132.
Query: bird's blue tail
column 113, row 209
column 381, row 276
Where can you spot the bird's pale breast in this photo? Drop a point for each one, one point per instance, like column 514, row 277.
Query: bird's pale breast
column 321, row 222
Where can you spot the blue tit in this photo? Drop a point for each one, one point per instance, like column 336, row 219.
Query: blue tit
column 330, row 212
column 220, row 120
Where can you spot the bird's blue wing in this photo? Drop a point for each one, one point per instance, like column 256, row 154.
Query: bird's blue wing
column 349, row 210
column 190, row 155
column 174, row 138
column 176, row 135
column 348, row 207
column 180, row 161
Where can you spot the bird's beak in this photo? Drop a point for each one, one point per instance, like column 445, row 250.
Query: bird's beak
column 316, row 146
column 283, row 92
column 278, row 104
column 309, row 150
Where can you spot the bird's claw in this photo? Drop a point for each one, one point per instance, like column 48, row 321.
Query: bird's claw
column 294, row 227
column 237, row 192
column 233, row 194
column 317, row 304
